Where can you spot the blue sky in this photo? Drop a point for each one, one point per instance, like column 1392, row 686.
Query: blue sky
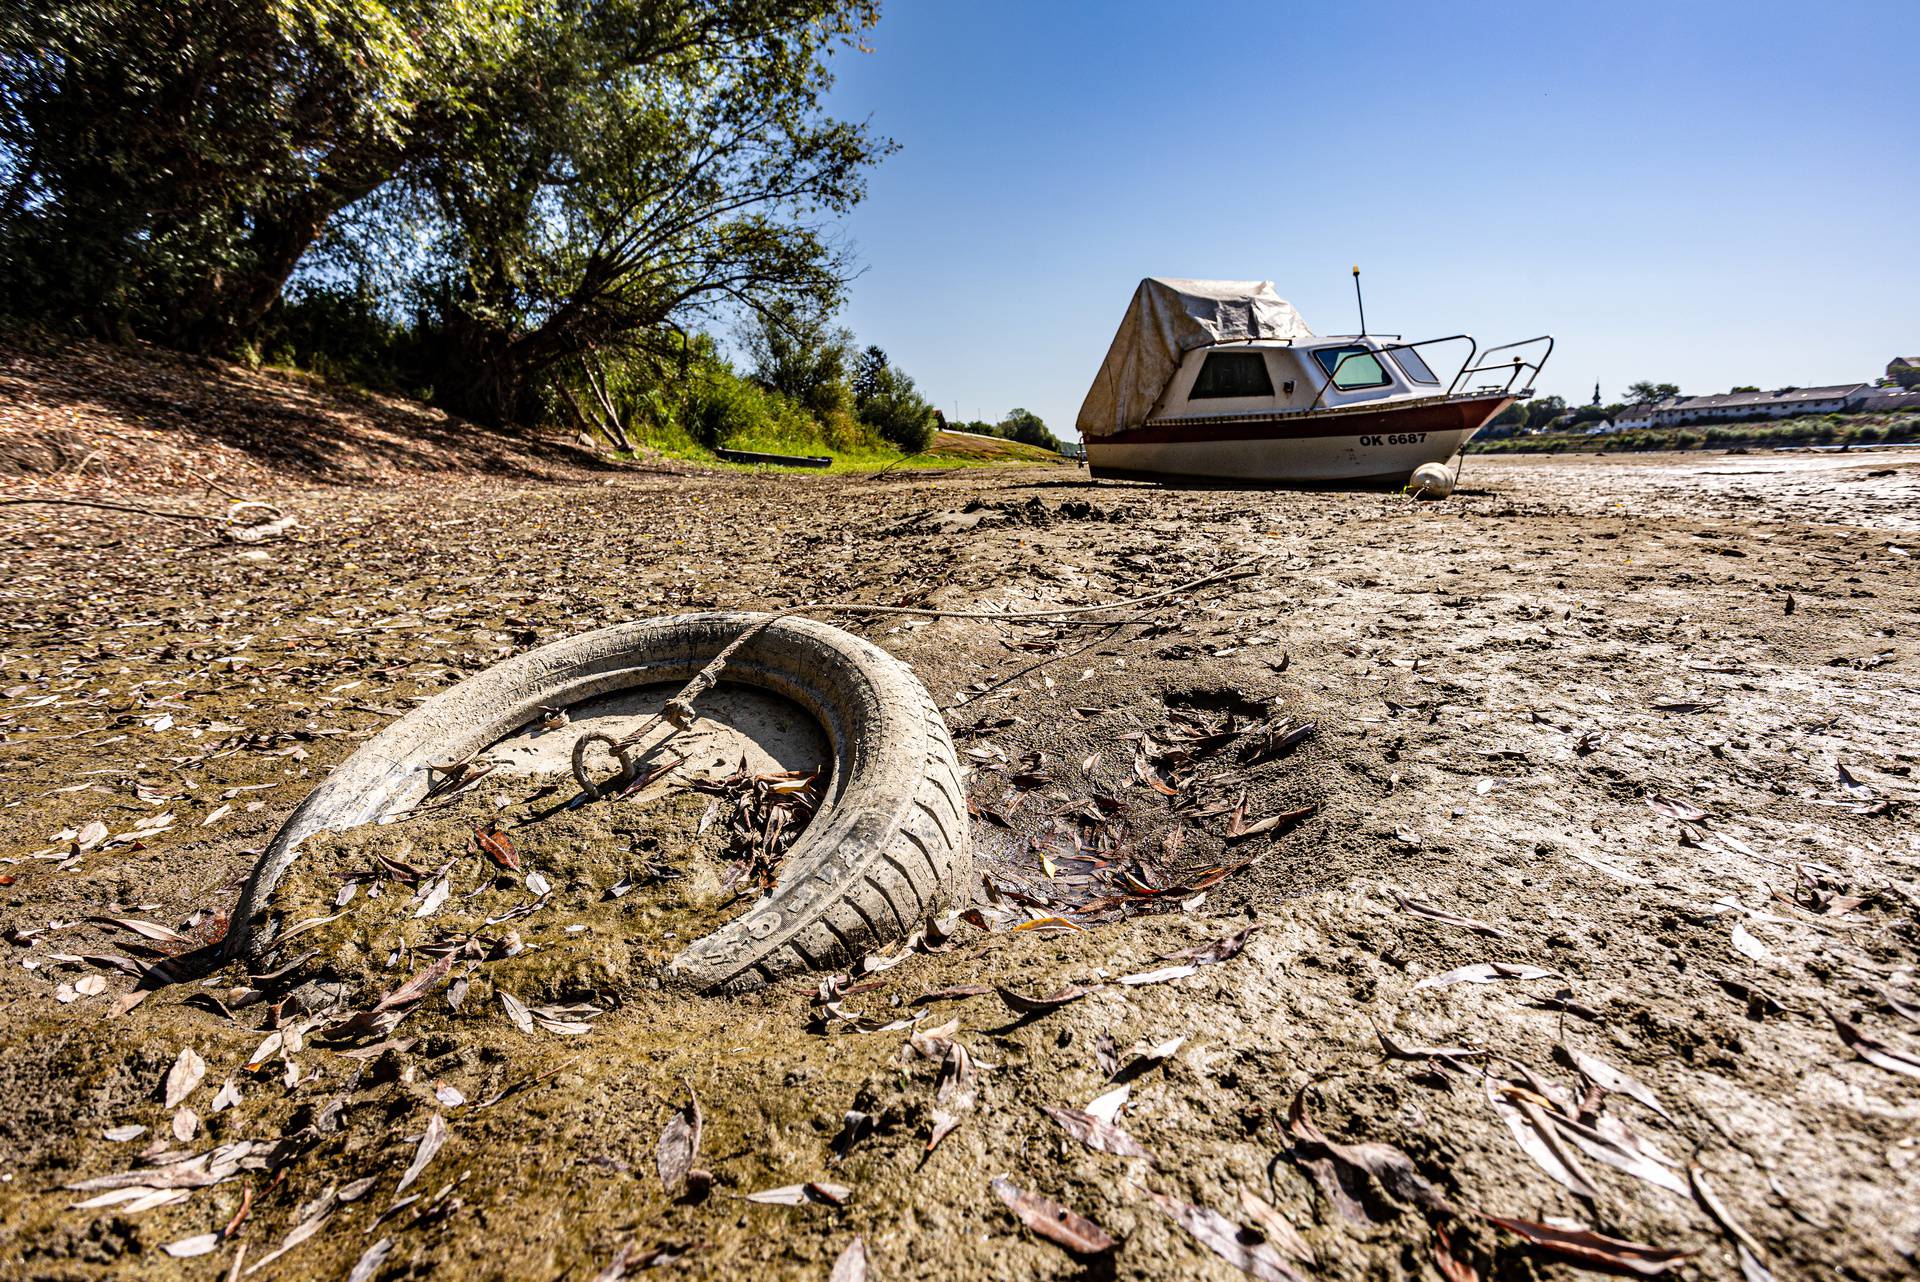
column 1705, row 193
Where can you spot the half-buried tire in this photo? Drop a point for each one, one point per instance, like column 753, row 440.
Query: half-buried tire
column 888, row 842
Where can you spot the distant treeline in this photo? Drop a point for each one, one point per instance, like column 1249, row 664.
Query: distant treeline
column 1819, row 429
column 1019, row 425
column 523, row 210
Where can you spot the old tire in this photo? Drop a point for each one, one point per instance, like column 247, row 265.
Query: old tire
column 889, row 841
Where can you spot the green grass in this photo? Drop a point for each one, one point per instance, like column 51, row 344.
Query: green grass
column 946, row 452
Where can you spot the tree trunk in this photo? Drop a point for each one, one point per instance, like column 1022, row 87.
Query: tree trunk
column 483, row 376
column 614, row 430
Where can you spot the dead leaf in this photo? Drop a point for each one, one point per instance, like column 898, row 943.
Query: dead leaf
column 1609, row 1078
column 1421, row 908
column 627, row 1259
column 959, row 1086
column 1673, row 808
column 1223, row 949
column 1102, row 1137
column 1588, row 1249
column 1148, row 1059
column 1151, row 778
column 1237, row 1246
column 367, row 1267
column 430, row 1142
column 1276, row 1228
column 817, row 1192
column 517, row 1011
column 184, row 1076
column 1873, row 1050
column 852, row 1264
column 1520, row 1110
column 679, row 1145
column 189, row 1247
column 417, row 987
column 1752, row 1260
column 430, row 902
column 1390, row 1168
column 1486, row 973
column 1445, row 1260
column 1021, row 1004
column 1161, row 976
column 497, row 846
column 1106, row 1106
column 1051, row 1220
column 151, row 930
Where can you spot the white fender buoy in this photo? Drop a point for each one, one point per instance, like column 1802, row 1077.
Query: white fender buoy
column 1430, row 481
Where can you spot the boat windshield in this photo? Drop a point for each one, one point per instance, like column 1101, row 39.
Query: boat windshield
column 1410, row 363
column 1352, row 367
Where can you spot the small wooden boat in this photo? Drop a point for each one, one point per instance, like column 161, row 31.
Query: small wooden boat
column 775, row 460
column 1222, row 381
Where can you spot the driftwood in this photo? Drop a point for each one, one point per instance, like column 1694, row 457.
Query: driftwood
column 227, row 523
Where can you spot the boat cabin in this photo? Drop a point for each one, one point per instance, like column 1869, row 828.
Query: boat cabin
column 1288, row 376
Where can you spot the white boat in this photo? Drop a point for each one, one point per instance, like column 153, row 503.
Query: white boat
column 1222, row 381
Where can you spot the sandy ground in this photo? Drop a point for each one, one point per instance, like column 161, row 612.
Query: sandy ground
column 1644, row 724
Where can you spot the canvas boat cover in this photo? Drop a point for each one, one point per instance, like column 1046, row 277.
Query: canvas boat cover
column 1166, row 320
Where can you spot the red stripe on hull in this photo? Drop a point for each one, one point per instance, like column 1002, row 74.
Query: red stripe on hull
column 1441, row 416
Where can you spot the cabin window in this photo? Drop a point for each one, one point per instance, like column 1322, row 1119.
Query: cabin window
column 1232, row 374
column 1410, row 363
column 1363, row 370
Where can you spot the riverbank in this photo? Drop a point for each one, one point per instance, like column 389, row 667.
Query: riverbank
column 1613, row 775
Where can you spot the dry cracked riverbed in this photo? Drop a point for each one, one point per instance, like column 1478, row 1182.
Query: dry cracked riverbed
column 1589, row 900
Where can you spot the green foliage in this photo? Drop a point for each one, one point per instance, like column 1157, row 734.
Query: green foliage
column 897, row 411
column 1646, row 391
column 1028, row 428
column 867, row 373
column 526, row 181
column 1823, row 429
column 163, row 166
column 649, row 164
column 1542, row 410
column 801, row 355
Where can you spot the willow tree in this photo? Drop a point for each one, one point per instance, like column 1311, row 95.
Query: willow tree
column 592, row 171
column 600, row 207
column 163, row 167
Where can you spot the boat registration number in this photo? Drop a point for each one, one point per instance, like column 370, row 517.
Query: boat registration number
column 1395, row 438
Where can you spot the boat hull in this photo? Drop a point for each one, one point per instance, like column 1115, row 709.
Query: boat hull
column 1359, row 446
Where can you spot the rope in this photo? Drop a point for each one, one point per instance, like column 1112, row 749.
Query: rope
column 679, row 712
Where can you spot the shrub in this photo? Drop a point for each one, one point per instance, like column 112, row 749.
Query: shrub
column 898, row 412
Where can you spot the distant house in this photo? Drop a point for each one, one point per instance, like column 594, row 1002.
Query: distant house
column 1638, row 416
column 1904, row 371
column 1887, row 400
column 1785, row 402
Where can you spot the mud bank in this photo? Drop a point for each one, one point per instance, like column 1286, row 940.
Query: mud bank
column 1637, row 730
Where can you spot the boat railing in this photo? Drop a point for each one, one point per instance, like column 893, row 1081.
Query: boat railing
column 1333, row 375
column 1516, row 366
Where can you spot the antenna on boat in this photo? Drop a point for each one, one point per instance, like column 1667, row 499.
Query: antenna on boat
column 1358, row 299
